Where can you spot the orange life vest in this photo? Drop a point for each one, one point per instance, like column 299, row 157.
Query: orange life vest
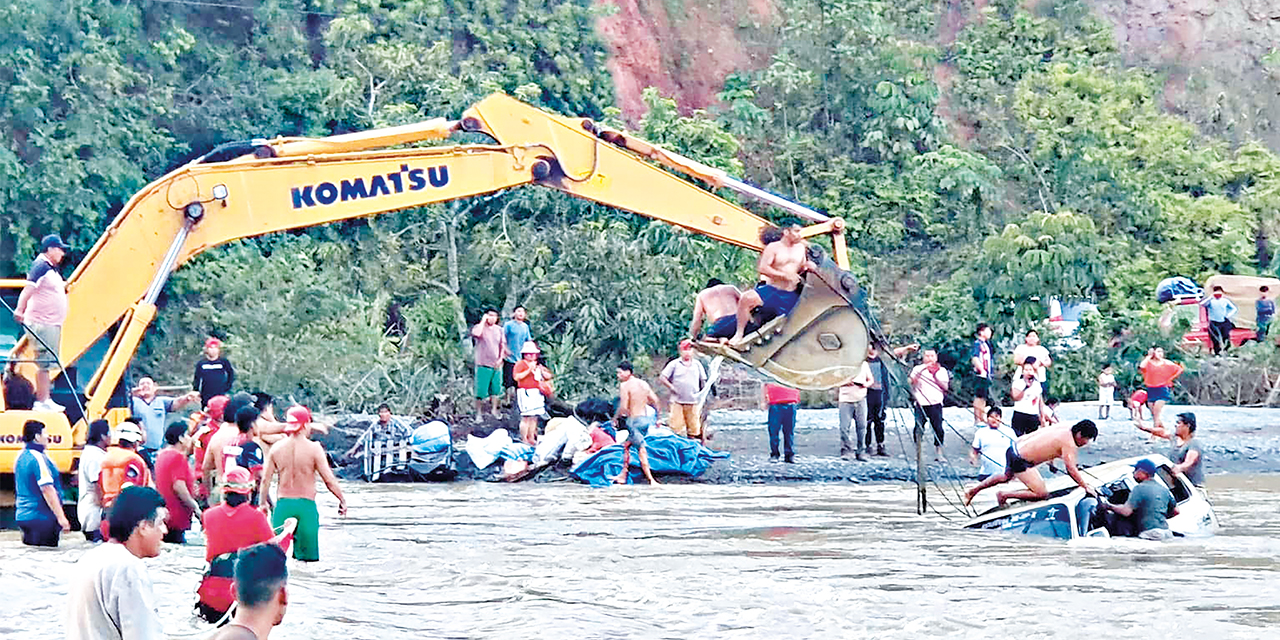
column 120, row 468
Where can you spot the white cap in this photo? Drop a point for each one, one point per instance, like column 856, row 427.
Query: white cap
column 128, row 432
column 529, row 347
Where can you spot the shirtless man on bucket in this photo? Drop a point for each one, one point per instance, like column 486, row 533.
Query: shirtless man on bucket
column 780, row 266
column 1036, row 448
column 635, row 396
column 298, row 460
column 717, row 304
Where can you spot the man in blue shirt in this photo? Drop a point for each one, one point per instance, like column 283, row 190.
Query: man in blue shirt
column 152, row 411
column 39, row 489
column 1221, row 311
column 517, row 333
column 1265, row 310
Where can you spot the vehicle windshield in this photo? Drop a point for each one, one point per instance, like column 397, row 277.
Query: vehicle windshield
column 1050, row 520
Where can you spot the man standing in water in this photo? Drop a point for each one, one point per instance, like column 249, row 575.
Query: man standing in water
column 1037, row 448
column 780, row 266
column 634, row 399
column 298, row 461
column 261, row 599
column 718, row 302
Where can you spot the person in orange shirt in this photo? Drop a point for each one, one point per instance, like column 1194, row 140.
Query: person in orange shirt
column 1158, row 375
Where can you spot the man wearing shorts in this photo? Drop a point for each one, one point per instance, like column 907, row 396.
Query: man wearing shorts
column 635, row 396
column 718, row 301
column 42, row 308
column 780, row 266
column 684, row 377
column 1038, row 448
column 1029, row 410
column 298, row 461
column 983, row 360
column 490, row 341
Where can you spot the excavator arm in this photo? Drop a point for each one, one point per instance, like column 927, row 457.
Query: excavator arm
column 292, row 183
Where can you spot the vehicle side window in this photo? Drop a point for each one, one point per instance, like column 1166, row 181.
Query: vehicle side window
column 1179, row 490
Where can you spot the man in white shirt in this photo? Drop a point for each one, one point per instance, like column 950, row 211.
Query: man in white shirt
column 852, row 400
column 990, row 443
column 111, row 596
column 929, row 384
column 684, row 377
column 1031, row 348
column 89, row 508
column 1029, row 409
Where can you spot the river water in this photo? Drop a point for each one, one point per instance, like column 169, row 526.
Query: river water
column 477, row 560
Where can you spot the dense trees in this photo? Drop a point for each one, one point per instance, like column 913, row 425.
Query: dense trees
column 981, row 171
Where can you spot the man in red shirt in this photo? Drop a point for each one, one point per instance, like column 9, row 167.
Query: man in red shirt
column 229, row 527
column 782, row 402
column 177, row 482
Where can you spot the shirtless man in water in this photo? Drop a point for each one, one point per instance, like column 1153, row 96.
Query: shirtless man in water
column 1036, row 448
column 780, row 266
column 635, row 396
column 298, row 460
column 718, row 302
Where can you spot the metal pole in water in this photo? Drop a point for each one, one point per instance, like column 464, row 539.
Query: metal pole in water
column 922, row 469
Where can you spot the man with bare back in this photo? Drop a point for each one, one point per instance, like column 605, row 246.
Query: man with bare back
column 780, row 266
column 298, row 460
column 635, row 397
column 718, row 302
column 1037, row 448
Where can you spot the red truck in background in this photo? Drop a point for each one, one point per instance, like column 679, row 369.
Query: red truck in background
column 1242, row 290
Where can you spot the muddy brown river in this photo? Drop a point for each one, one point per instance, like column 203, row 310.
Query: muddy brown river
column 477, row 560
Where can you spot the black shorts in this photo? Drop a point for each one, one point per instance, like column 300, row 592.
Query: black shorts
column 982, row 389
column 1024, row 423
column 508, row 375
column 1014, row 463
column 40, row 533
column 723, row 327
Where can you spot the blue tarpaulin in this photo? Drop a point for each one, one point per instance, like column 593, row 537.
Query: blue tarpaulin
column 667, row 454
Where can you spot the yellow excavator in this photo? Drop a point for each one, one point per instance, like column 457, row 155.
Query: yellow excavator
column 240, row 190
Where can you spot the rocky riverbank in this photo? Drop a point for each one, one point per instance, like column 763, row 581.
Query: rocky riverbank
column 1236, row 440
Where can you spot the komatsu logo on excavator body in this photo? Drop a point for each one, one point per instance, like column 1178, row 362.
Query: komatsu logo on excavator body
column 406, row 179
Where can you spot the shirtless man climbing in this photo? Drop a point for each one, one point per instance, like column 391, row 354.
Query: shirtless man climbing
column 1037, row 448
column 780, row 266
column 298, row 460
column 635, row 396
column 719, row 303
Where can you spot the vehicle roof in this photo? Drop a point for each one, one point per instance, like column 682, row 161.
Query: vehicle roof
column 1062, row 485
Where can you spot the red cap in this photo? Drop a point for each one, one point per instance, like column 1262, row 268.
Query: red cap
column 237, row 480
column 213, row 342
column 686, row 344
column 217, row 405
column 295, row 418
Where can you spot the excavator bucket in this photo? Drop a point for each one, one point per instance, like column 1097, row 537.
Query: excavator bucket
column 820, row 344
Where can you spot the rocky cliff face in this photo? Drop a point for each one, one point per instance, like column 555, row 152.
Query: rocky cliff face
column 1213, row 54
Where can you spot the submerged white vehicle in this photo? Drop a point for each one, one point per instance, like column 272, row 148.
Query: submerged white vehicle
column 1070, row 513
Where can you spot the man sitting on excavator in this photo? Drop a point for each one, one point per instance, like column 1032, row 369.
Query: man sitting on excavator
column 781, row 263
column 718, row 302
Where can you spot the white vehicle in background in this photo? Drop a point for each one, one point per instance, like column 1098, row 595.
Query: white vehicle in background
column 1069, row 513
column 1064, row 321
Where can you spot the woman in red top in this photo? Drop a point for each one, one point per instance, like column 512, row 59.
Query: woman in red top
column 229, row 527
column 1158, row 375
column 532, row 380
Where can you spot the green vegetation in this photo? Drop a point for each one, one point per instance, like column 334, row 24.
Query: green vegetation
column 979, row 177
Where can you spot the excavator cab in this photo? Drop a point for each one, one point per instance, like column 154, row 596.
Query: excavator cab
column 820, row 344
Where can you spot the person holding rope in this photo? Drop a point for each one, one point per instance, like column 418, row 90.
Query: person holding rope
column 929, row 384
column 229, row 527
column 41, row 310
column 1034, row 449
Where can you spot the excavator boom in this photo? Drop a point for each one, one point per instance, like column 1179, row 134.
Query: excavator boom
column 292, row 183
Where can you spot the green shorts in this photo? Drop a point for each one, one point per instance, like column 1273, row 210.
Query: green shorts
column 488, row 382
column 306, row 538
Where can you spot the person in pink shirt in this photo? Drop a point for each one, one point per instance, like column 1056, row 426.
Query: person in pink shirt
column 491, row 345
column 929, row 384
column 42, row 308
